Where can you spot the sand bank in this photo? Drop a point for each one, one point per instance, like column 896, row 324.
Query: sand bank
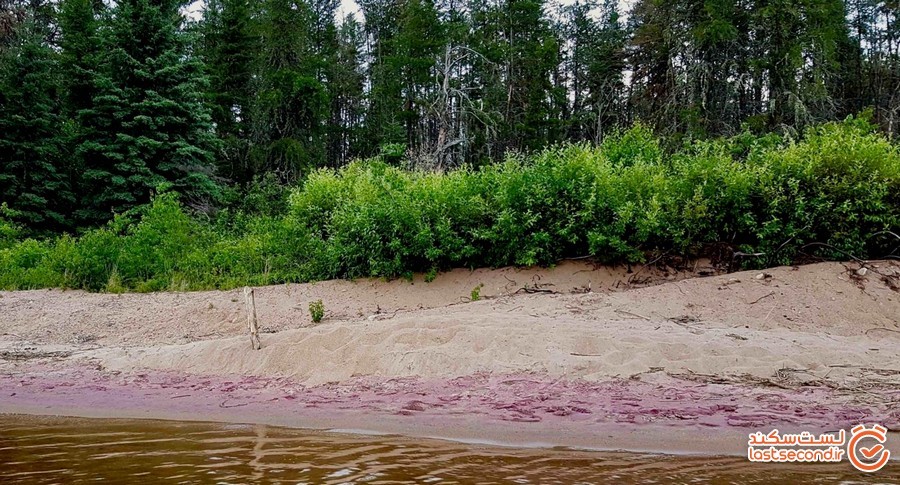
column 577, row 356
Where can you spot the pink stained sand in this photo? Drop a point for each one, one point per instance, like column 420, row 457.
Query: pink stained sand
column 487, row 398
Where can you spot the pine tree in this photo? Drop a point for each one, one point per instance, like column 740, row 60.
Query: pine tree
column 521, row 54
column 595, row 65
column 531, row 55
column 384, row 126
column 454, row 125
column 420, row 42
column 487, row 77
column 330, row 67
column 717, row 39
column 147, row 125
column 798, row 45
column 11, row 15
column 39, row 15
column 229, row 48
column 347, row 94
column 291, row 102
column 883, row 62
column 654, row 46
column 33, row 171
column 80, row 53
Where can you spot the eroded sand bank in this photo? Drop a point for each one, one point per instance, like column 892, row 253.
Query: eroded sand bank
column 578, row 356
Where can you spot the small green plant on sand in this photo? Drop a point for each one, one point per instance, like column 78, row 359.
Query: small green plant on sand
column 476, row 292
column 317, row 310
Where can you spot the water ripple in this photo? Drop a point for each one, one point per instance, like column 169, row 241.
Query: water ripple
column 74, row 451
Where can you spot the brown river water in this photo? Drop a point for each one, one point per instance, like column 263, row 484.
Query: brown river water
column 70, row 450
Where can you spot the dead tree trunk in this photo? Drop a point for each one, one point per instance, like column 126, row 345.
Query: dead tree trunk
column 252, row 323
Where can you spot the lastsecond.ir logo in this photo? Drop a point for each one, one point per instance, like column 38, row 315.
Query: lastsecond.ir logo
column 864, row 454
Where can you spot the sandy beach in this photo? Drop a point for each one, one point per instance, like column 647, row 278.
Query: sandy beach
column 605, row 358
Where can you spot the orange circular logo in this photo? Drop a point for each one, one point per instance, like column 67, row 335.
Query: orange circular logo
column 869, row 458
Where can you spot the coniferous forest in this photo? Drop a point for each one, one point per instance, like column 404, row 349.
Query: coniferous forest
column 294, row 143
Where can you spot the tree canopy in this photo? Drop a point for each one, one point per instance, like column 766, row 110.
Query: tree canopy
column 102, row 106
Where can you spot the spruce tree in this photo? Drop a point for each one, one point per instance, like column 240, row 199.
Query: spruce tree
column 80, row 53
column 147, row 125
column 291, row 102
column 33, row 170
column 229, row 48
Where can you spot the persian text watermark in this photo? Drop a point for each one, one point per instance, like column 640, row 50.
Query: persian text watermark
column 865, row 448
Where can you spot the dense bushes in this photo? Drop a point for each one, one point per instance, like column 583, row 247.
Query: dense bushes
column 839, row 188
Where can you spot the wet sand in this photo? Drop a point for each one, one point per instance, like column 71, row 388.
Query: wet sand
column 657, row 414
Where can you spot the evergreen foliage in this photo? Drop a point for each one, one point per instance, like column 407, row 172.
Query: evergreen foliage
column 146, row 125
column 34, row 171
column 505, row 131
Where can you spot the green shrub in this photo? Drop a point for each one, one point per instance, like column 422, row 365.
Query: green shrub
column 21, row 268
column 430, row 275
column 830, row 194
column 839, row 186
column 154, row 248
column 540, row 204
column 637, row 145
column 711, row 196
column 90, row 259
column 317, row 311
column 626, row 208
column 9, row 231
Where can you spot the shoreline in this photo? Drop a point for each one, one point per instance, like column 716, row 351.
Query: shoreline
column 680, row 365
column 658, row 414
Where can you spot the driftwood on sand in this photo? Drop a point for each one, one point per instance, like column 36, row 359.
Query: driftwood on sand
column 252, row 323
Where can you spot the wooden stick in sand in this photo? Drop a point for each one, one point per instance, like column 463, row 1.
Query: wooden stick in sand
column 251, row 319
